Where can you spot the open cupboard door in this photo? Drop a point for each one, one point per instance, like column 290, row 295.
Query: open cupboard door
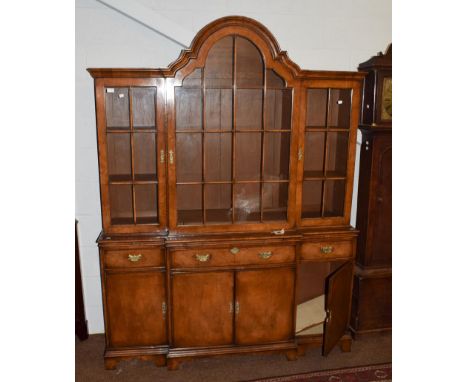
column 338, row 303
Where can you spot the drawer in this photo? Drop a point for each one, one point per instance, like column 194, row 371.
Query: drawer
column 265, row 255
column 327, row 249
column 215, row 257
column 133, row 258
column 202, row 257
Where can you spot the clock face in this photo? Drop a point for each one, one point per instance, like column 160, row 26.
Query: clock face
column 386, row 110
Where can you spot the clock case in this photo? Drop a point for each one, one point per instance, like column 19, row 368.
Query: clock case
column 372, row 293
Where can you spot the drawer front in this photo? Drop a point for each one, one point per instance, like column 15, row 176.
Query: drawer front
column 327, row 250
column 202, row 257
column 215, row 257
column 133, row 258
column 265, row 255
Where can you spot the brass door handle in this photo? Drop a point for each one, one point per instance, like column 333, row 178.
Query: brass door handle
column 237, row 307
column 135, row 258
column 164, row 310
column 203, row 257
column 234, row 250
column 171, row 157
column 326, row 249
column 265, row 255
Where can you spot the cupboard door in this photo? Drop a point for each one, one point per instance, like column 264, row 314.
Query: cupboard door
column 264, row 306
column 136, row 309
column 338, row 303
column 202, row 309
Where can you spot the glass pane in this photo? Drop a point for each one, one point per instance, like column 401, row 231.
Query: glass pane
column 249, row 109
column 276, row 156
column 337, row 153
column 218, row 203
column 189, row 204
column 119, row 157
column 144, row 156
column 314, row 150
column 117, row 109
column 144, row 108
column 273, row 80
column 316, row 107
column 248, row 156
column 218, row 109
column 121, row 208
column 188, row 109
column 275, row 201
column 218, row 156
column 311, row 198
column 146, row 204
column 334, row 197
column 249, row 64
column 247, row 202
column 339, row 110
column 193, row 80
column 189, row 157
column 218, row 65
column 278, row 109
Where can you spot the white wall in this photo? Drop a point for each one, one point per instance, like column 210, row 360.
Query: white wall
column 318, row 34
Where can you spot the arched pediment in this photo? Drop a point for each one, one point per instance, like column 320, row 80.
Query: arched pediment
column 218, row 36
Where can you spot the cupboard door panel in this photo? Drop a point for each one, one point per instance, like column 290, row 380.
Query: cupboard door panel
column 202, row 309
column 136, row 309
column 338, row 303
column 264, row 306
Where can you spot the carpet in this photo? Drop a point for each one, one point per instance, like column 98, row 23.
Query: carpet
column 373, row 373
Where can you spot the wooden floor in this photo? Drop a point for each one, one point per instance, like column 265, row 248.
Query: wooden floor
column 90, row 367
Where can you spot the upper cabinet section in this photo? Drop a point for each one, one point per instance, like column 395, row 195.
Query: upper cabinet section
column 233, row 136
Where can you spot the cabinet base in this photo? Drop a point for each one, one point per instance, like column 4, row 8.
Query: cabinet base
column 177, row 356
column 316, row 341
column 113, row 357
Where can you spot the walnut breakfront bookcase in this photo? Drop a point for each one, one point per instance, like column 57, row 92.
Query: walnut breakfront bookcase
column 226, row 183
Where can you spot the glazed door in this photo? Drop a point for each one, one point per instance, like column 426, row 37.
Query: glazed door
column 202, row 309
column 326, row 153
column 264, row 306
column 132, row 156
column 136, row 308
column 338, row 304
column 230, row 140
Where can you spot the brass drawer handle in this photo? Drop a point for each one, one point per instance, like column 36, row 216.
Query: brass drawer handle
column 326, row 249
column 235, row 250
column 203, row 258
column 265, row 255
column 135, row 258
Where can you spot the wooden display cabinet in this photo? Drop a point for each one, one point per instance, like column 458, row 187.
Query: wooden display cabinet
column 226, row 184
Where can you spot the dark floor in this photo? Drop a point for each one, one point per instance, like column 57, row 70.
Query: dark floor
column 90, row 366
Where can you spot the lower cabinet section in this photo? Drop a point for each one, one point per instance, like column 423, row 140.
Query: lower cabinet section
column 188, row 299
